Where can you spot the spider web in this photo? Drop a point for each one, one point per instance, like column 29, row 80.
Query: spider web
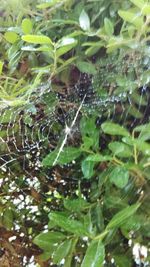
column 24, row 131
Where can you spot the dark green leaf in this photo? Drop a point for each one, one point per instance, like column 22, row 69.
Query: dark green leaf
column 122, row 216
column 119, row 176
column 120, row 149
column 67, row 155
column 47, row 241
column 95, row 255
column 61, row 251
column 69, row 225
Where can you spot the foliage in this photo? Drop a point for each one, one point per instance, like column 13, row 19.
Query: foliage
column 74, row 199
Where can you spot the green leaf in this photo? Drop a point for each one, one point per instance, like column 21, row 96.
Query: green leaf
column 49, row 3
column 67, row 155
column 109, row 28
column 121, row 217
column 146, row 9
column 69, row 225
column 88, row 168
column 114, row 129
column 76, row 205
column 8, row 218
column 84, row 21
column 133, row 18
column 26, row 26
column 119, row 176
column 95, row 255
column 1, row 66
column 86, row 67
column 36, row 39
column 65, row 45
column 98, row 158
column 138, row 3
column 61, row 251
column 47, row 241
column 120, row 149
column 11, row 37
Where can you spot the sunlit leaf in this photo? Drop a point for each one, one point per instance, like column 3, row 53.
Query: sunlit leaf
column 36, row 39
column 84, row 21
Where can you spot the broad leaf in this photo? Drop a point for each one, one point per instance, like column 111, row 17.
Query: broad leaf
column 69, row 225
column 119, row 176
column 86, row 67
column 120, row 149
column 95, row 255
column 67, row 155
column 36, row 39
column 47, row 241
column 114, row 129
column 122, row 216
column 61, row 251
column 109, row 28
column 11, row 37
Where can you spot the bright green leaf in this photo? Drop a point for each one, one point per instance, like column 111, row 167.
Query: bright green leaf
column 11, row 37
column 36, row 39
column 26, row 26
column 133, row 18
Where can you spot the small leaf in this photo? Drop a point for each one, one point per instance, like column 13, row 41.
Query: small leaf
column 67, row 155
column 36, row 39
column 119, row 176
column 109, row 28
column 26, row 26
column 65, row 45
column 84, row 21
column 11, row 37
column 8, row 218
column 95, row 255
column 121, row 217
column 61, row 251
column 114, row 129
column 86, row 67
